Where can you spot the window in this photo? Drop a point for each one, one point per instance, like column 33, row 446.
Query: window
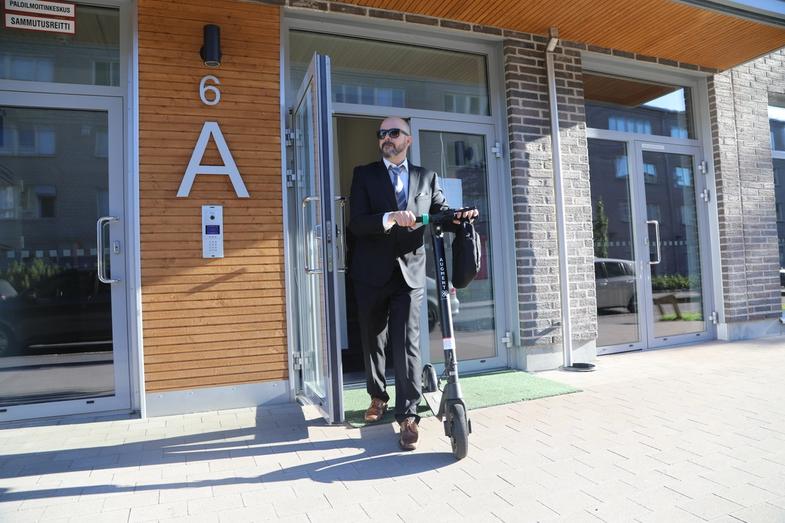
column 633, row 106
column 394, row 74
column 106, row 73
column 89, row 57
column 28, row 140
column 682, row 176
column 653, row 212
column 624, row 211
column 620, row 165
column 649, row 173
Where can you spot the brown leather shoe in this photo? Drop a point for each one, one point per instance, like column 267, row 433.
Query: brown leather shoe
column 409, row 434
column 376, row 410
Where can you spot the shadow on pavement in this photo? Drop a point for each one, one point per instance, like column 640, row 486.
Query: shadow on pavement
column 374, row 455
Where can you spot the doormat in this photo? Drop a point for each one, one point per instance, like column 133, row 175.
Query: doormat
column 481, row 390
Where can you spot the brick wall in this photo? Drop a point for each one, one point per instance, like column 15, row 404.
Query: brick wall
column 738, row 101
column 534, row 207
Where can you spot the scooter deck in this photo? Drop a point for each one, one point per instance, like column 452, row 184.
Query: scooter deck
column 434, row 400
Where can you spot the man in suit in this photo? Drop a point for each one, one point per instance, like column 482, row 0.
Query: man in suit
column 388, row 270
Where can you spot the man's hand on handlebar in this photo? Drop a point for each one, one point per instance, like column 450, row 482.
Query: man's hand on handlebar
column 403, row 218
column 470, row 215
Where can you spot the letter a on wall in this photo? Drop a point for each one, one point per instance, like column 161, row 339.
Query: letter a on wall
column 229, row 168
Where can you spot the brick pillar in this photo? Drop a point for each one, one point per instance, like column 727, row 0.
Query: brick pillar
column 534, row 210
column 738, row 101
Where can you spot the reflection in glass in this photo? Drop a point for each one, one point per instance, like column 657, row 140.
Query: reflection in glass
column 370, row 72
column 634, row 106
column 676, row 278
column 55, row 316
column 779, row 194
column 614, row 252
column 89, row 57
column 313, row 343
column 463, row 173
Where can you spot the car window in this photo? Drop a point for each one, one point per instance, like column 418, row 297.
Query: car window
column 599, row 270
column 614, row 269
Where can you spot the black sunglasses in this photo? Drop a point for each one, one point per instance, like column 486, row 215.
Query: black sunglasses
column 392, row 133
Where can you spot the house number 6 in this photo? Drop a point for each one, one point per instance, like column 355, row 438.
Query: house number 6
column 204, row 89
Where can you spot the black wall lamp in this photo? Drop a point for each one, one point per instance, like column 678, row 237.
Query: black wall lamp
column 211, row 48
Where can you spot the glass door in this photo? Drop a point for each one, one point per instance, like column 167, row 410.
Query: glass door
column 674, row 208
column 318, row 358
column 616, row 266
column 63, row 338
column 648, row 218
column 461, row 154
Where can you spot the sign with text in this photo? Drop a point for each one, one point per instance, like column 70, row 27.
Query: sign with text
column 39, row 7
column 39, row 15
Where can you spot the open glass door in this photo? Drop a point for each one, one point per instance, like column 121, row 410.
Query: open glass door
column 319, row 379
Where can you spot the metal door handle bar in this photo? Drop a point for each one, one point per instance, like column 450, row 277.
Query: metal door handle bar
column 657, row 240
column 340, row 233
column 306, row 244
column 99, row 229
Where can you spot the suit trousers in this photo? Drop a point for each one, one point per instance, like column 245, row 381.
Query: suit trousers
column 390, row 317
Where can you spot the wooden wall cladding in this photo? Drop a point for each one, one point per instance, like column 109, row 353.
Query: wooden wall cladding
column 219, row 321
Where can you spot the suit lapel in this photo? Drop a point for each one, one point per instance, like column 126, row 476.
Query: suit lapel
column 386, row 184
column 414, row 185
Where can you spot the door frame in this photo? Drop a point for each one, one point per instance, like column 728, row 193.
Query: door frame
column 635, row 145
column 503, row 298
column 121, row 335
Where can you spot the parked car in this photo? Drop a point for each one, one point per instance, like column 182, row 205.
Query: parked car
column 6, row 290
column 433, row 303
column 615, row 280
column 68, row 311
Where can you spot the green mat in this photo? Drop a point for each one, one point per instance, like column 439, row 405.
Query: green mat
column 482, row 390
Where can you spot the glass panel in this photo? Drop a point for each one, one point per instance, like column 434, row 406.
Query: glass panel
column 779, row 191
column 461, row 163
column 91, row 56
column 309, row 247
column 777, row 127
column 676, row 280
column 55, row 316
column 371, row 72
column 614, row 251
column 634, row 106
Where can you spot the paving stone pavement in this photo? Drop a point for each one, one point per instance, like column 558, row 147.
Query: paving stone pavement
column 680, row 435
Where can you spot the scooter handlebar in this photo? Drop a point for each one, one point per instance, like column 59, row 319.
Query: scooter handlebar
column 442, row 217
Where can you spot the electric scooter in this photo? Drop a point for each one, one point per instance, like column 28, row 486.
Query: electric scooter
column 447, row 402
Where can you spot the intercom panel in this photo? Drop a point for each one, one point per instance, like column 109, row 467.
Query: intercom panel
column 212, row 231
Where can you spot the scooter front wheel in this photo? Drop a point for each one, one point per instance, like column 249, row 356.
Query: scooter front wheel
column 430, row 383
column 459, row 430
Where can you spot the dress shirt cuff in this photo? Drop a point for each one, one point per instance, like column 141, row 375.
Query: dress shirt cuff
column 385, row 222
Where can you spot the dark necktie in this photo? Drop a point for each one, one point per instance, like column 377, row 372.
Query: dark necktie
column 400, row 192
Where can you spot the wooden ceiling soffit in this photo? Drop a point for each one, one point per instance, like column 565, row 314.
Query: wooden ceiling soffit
column 622, row 91
column 661, row 28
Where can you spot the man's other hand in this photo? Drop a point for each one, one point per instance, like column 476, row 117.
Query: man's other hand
column 403, row 218
column 468, row 215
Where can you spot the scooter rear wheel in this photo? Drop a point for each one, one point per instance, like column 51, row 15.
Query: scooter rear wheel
column 459, row 430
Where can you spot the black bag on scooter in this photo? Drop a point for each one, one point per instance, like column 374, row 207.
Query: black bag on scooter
column 465, row 255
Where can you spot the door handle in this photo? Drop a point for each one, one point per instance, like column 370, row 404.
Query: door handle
column 306, row 244
column 340, row 232
column 99, row 230
column 656, row 241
